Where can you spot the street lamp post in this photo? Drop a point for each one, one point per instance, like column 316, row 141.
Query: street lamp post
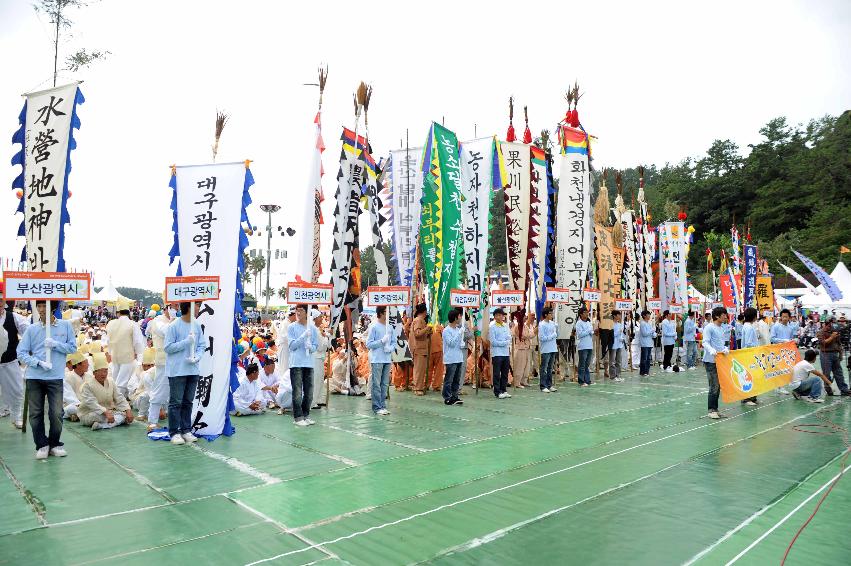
column 268, row 208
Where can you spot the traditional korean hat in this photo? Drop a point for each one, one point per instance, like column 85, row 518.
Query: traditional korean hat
column 95, row 347
column 99, row 361
column 76, row 358
column 149, row 357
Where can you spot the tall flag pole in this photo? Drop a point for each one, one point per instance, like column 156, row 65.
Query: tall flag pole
column 309, row 264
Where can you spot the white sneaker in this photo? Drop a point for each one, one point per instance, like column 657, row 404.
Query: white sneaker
column 383, row 412
column 96, row 425
column 503, row 396
column 507, row 394
column 189, row 437
column 714, row 415
column 301, row 423
column 177, row 439
column 18, row 424
column 553, row 389
column 280, row 411
column 618, row 379
column 545, row 390
column 670, row 369
column 750, row 403
column 310, row 421
column 41, row 453
column 812, row 400
column 58, row 451
column 782, row 391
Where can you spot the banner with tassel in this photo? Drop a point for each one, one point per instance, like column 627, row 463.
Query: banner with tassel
column 518, row 165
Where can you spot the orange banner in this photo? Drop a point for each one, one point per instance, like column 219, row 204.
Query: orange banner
column 754, row 371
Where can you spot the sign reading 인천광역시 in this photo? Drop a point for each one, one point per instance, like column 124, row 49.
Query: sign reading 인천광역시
column 508, row 298
column 467, row 298
column 192, row 289
column 753, row 371
column 557, row 295
column 394, row 296
column 654, row 304
column 591, row 295
column 299, row 293
column 46, row 285
column 623, row 305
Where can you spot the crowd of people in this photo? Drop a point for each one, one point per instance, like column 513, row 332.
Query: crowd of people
column 104, row 370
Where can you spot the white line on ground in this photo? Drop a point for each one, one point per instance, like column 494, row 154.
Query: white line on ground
column 787, row 517
column 238, row 465
column 516, row 484
column 371, row 437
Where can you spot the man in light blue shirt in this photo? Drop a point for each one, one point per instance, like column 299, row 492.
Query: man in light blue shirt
column 617, row 348
column 713, row 344
column 749, row 340
column 184, row 346
column 690, row 340
column 468, row 337
column 303, row 340
column 669, row 339
column 453, row 358
column 737, row 330
column 45, row 378
column 783, row 331
column 646, row 334
column 499, row 336
column 584, row 345
column 547, row 334
column 380, row 342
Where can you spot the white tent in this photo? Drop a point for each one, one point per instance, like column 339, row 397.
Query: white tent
column 109, row 294
column 842, row 277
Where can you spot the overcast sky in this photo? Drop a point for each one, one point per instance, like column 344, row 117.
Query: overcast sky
column 662, row 80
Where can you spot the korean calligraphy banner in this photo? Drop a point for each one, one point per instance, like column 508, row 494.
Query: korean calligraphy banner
column 574, row 225
column 538, row 210
column 629, row 273
column 672, row 278
column 764, row 293
column 406, row 190
column 608, row 287
column 750, row 275
column 826, row 280
column 46, row 135
column 449, row 177
column 345, row 254
column 431, row 223
column 754, row 371
column 728, row 290
column 209, row 206
column 517, row 190
column 479, row 159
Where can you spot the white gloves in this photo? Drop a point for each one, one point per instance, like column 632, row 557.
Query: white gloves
column 50, row 343
column 386, row 339
column 725, row 351
column 47, row 366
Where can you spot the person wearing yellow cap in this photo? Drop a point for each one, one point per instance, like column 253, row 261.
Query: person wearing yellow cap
column 74, row 378
column 101, row 403
column 12, row 328
column 126, row 346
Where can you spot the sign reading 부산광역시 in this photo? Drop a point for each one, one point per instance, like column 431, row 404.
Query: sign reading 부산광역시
column 299, row 293
column 192, row 289
column 46, row 286
column 393, row 296
column 508, row 298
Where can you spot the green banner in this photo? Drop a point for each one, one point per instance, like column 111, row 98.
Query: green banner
column 452, row 228
column 430, row 224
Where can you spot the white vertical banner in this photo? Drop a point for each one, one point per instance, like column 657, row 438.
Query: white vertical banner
column 518, row 166
column 630, row 283
column 46, row 138
column 477, row 159
column 406, row 179
column 308, row 233
column 209, row 207
column 648, row 238
column 538, row 222
column 574, row 230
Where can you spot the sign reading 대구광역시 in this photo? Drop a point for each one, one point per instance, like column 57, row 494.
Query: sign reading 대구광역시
column 508, row 298
column 466, row 298
column 299, row 293
column 394, row 296
column 46, row 286
column 192, row 289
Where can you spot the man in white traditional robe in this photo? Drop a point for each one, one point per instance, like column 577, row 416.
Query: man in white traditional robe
column 126, row 347
column 284, row 397
column 101, row 404
column 248, row 397
column 73, row 384
column 269, row 382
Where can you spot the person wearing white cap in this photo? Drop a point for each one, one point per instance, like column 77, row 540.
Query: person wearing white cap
column 74, row 379
column 101, row 403
column 126, row 346
column 319, row 382
column 12, row 328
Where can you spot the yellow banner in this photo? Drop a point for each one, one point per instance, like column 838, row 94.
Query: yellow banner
column 764, row 293
column 754, row 371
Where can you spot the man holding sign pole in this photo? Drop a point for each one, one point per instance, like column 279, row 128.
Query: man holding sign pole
column 381, row 343
column 184, row 346
column 44, row 358
column 302, row 340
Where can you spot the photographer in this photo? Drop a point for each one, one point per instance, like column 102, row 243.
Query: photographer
column 831, row 354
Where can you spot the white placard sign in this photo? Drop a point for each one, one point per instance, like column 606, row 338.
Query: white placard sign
column 464, row 298
column 558, row 295
column 46, row 286
column 393, row 296
column 675, row 308
column 654, row 304
column 591, row 295
column 191, row 289
column 508, row 298
column 299, row 293
column 623, row 305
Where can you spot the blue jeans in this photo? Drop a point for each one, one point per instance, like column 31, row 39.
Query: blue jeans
column 181, row 393
column 714, row 386
column 831, row 366
column 547, row 362
column 37, row 390
column 584, row 374
column 691, row 354
column 646, row 357
column 811, row 386
column 302, row 382
column 379, row 381
column 451, row 380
